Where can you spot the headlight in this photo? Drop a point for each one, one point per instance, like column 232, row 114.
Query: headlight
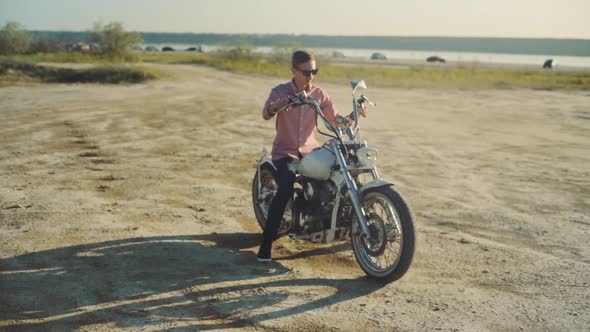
column 367, row 156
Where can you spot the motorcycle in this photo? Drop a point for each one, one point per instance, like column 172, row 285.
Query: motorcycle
column 339, row 195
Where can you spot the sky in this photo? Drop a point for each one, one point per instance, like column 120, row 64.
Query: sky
column 461, row 18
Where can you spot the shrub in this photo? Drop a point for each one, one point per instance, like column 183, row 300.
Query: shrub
column 14, row 39
column 112, row 40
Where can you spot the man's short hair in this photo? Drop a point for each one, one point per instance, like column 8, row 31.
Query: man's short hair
column 300, row 57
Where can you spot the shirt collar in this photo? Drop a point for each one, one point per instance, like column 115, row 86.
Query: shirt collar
column 294, row 87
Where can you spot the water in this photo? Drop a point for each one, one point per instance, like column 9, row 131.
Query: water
column 467, row 58
column 471, row 57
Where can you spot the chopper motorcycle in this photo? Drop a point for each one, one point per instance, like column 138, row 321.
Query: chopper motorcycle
column 339, row 195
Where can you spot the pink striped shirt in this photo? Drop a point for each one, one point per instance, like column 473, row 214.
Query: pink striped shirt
column 296, row 126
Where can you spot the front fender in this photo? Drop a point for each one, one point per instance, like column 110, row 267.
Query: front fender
column 373, row 184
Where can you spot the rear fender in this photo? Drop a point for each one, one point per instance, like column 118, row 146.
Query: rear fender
column 264, row 161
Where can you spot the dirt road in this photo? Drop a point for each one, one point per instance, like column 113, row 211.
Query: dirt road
column 128, row 208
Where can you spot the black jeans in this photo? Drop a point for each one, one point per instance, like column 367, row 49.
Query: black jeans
column 285, row 180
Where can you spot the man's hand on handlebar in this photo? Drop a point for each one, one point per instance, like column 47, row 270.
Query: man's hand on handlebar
column 283, row 104
column 363, row 111
column 278, row 106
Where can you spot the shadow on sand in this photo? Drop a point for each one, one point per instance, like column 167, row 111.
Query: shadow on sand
column 205, row 282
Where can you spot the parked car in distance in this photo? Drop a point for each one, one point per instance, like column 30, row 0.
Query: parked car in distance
column 338, row 55
column 167, row 49
column 435, row 59
column 195, row 49
column 151, row 49
column 378, row 56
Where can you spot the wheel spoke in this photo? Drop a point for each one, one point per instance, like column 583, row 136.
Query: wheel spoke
column 383, row 222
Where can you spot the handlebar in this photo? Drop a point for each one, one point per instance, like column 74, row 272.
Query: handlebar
column 363, row 100
column 298, row 97
column 302, row 98
column 295, row 100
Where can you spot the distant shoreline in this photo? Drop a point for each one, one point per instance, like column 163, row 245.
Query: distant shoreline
column 525, row 46
column 409, row 57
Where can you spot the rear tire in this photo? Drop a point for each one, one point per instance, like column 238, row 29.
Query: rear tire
column 387, row 253
column 261, row 201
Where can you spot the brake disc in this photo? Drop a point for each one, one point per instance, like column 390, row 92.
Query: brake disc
column 376, row 242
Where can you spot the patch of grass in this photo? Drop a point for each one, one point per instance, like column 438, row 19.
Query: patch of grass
column 109, row 74
column 169, row 57
column 388, row 75
column 277, row 64
column 424, row 76
column 72, row 57
column 12, row 78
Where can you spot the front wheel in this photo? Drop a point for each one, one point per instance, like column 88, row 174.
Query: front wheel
column 387, row 253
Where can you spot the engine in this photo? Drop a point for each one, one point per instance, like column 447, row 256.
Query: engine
column 314, row 203
column 319, row 194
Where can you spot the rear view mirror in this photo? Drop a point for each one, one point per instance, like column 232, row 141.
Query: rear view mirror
column 358, row 85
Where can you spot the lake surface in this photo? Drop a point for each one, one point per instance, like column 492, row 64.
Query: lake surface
column 467, row 58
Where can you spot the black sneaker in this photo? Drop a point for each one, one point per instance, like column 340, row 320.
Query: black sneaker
column 263, row 259
column 264, row 253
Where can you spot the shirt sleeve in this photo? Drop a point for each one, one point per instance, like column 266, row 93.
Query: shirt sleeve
column 328, row 109
column 274, row 96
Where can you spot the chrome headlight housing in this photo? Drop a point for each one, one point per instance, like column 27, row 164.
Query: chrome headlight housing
column 367, row 156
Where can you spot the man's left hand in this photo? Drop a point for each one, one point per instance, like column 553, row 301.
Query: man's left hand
column 361, row 111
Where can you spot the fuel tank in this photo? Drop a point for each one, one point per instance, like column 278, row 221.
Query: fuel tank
column 318, row 165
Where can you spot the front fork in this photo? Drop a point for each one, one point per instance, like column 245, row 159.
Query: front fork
column 352, row 189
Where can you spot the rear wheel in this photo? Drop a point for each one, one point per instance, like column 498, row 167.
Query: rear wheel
column 262, row 199
column 387, row 252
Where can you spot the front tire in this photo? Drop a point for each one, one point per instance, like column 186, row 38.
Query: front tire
column 387, row 253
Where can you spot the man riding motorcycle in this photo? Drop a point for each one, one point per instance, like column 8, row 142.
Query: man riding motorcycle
column 295, row 137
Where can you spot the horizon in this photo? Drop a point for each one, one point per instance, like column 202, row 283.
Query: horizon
column 318, row 35
column 485, row 45
column 526, row 19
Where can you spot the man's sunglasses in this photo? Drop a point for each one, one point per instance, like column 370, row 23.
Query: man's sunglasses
column 309, row 72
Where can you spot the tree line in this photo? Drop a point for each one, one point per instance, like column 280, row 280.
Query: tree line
column 110, row 40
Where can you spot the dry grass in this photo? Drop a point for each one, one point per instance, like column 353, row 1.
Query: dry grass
column 384, row 75
column 16, row 72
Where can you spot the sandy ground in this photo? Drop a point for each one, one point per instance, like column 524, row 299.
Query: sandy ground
column 128, row 208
